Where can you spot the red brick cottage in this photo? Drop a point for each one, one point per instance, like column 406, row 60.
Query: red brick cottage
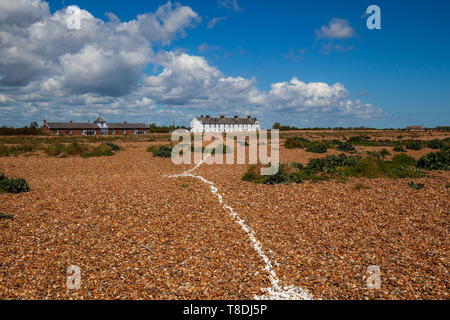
column 99, row 127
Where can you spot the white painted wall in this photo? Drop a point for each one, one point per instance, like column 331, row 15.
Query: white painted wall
column 197, row 126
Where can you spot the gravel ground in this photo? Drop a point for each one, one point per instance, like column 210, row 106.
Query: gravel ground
column 137, row 234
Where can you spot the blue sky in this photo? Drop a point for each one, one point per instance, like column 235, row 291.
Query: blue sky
column 402, row 69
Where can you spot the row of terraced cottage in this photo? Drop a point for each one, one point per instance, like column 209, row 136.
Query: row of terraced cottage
column 100, row 127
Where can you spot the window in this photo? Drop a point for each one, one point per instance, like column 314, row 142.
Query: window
column 139, row 131
column 69, row 132
column 124, row 131
column 103, row 131
column 88, row 132
column 113, row 131
column 56, row 131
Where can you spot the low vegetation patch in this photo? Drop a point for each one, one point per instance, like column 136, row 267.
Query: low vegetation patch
column 338, row 167
column 79, row 149
column 360, row 186
column 414, row 145
column 113, row 146
column 285, row 175
column 358, row 139
column 224, row 148
column 435, row 160
column 6, row 216
column 317, row 148
column 163, row 152
column 296, row 142
column 8, row 185
column 414, row 186
column 366, row 141
column 345, row 146
column 399, row 148
column 16, row 150
column 380, row 154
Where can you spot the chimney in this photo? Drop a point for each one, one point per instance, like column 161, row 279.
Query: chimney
column 125, row 122
column 236, row 117
column 207, row 116
column 249, row 117
column 70, row 121
column 201, row 116
column 222, row 116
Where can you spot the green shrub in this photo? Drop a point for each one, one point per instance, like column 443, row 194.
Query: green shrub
column 368, row 142
column 435, row 160
column 329, row 163
column 384, row 152
column 253, row 176
column 6, row 216
column 435, row 144
column 113, row 146
column 18, row 149
column 54, row 149
column 13, row 185
column 99, row 151
column 345, row 146
column 399, row 148
column 340, row 166
column 358, row 139
column 296, row 142
column 163, row 152
column 367, row 167
column 414, row 145
column 4, row 151
column 399, row 167
column 317, row 148
column 416, row 186
column 74, row 148
column 403, row 160
column 297, row 165
column 283, row 176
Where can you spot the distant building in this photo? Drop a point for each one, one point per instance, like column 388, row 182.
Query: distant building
column 99, row 127
column 415, row 128
column 222, row 124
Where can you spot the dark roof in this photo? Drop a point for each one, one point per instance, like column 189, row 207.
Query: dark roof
column 91, row 126
column 65, row 125
column 227, row 120
column 127, row 126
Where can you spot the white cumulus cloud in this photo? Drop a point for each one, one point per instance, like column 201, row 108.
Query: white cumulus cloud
column 48, row 70
column 336, row 29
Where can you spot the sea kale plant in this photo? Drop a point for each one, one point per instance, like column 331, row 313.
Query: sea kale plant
column 435, row 160
column 8, row 185
column 163, row 152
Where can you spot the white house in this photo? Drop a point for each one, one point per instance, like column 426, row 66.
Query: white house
column 222, row 124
